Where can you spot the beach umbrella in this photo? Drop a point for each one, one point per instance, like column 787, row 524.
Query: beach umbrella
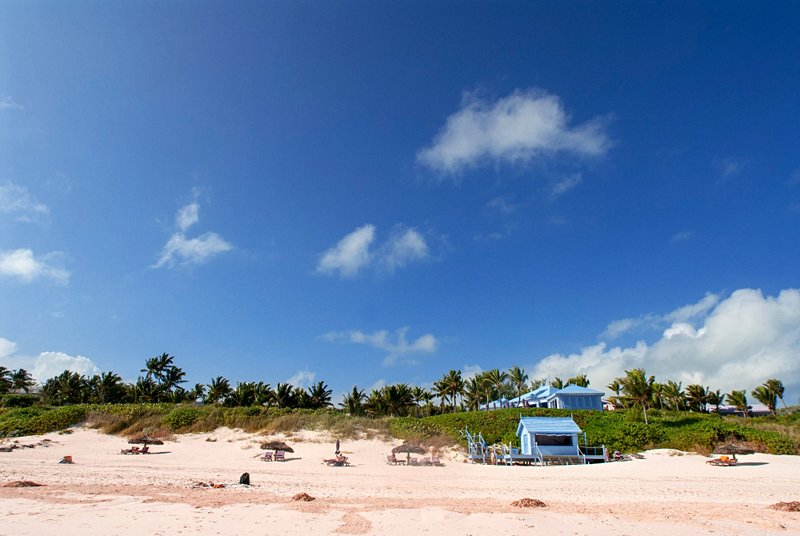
column 145, row 440
column 409, row 449
column 276, row 445
column 733, row 449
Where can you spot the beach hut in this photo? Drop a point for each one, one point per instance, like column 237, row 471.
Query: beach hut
column 575, row 397
column 550, row 439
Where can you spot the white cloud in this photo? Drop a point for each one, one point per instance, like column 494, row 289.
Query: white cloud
column 7, row 103
column 502, row 205
column 17, row 201
column 302, row 378
column 653, row 321
column 737, row 343
column 403, row 248
column 350, row 254
column 470, row 371
column 395, row 347
column 182, row 250
column 514, row 129
column 187, row 216
column 683, row 236
column 46, row 364
column 21, row 264
column 353, row 253
column 565, row 185
column 185, row 251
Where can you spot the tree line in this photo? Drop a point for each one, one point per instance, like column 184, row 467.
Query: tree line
column 163, row 381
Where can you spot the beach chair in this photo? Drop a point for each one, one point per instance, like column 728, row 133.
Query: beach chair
column 267, row 457
column 280, row 456
column 413, row 461
column 144, row 450
column 435, row 461
column 723, row 461
column 425, row 461
column 391, row 459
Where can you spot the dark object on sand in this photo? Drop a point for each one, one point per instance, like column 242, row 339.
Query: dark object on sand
column 793, row 506
column 22, row 484
column 528, row 503
column 276, row 445
column 145, row 440
column 337, row 448
column 66, row 459
column 245, row 479
column 303, row 497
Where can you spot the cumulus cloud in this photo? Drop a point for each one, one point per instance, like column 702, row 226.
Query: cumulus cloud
column 350, row 254
column 20, row 204
column 735, row 343
column 354, row 252
column 515, row 129
column 653, row 321
column 396, row 346
column 45, row 365
column 181, row 250
column 21, row 264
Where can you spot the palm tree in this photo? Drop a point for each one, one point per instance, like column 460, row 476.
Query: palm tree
column 263, row 393
column 658, row 395
column 156, row 367
column 452, row 385
column 535, row 384
column 473, row 392
column 421, row 397
column 299, row 398
column 497, row 380
column 241, row 396
column 716, row 399
column 5, row 380
column 353, row 401
column 697, row 397
column 109, row 388
column 320, row 396
column 638, row 389
column 398, row 399
column 172, row 377
column 557, row 383
column 21, row 380
column 284, row 396
column 581, row 380
column 518, row 377
column 766, row 396
column 615, row 386
column 374, row 404
column 776, row 386
column 198, row 392
column 738, row 399
column 218, row 390
column 674, row 396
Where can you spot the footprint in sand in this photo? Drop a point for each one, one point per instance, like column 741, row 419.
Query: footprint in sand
column 354, row 524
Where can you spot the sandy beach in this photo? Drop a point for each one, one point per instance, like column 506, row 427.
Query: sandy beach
column 105, row 492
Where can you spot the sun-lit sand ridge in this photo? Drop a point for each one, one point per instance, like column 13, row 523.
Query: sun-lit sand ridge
column 105, row 492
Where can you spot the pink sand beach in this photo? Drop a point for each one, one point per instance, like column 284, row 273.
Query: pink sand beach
column 105, row 492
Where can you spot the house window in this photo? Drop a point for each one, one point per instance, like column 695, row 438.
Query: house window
column 554, row 440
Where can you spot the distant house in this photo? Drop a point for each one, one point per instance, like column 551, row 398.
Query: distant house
column 755, row 410
column 547, row 396
column 548, row 436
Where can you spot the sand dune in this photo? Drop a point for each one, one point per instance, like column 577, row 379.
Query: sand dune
column 105, row 492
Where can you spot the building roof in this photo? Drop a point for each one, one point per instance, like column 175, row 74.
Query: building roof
column 577, row 390
column 548, row 425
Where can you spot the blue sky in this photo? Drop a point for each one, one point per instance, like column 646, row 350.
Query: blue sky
column 372, row 192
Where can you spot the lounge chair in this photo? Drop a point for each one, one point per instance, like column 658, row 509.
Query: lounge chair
column 425, row 461
column 435, row 461
column 144, row 450
column 338, row 461
column 391, row 459
column 267, row 457
column 723, row 461
column 413, row 461
column 132, row 450
column 280, row 456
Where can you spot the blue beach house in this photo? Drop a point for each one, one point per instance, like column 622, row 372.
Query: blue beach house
column 548, row 436
column 547, row 396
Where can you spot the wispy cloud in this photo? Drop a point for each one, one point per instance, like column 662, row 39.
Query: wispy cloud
column 727, row 344
column 727, row 167
column 563, row 186
column 654, row 321
column 515, row 129
column 354, row 252
column 21, row 264
column 181, row 250
column 396, row 346
column 7, row 103
column 502, row 205
column 683, row 236
column 20, row 204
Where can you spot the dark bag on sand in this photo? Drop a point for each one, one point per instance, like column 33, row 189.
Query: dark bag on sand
column 245, row 479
